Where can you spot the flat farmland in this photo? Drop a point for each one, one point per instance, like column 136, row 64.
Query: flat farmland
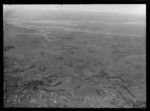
column 60, row 63
column 120, row 28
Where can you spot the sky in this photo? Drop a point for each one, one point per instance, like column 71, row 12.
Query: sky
column 139, row 9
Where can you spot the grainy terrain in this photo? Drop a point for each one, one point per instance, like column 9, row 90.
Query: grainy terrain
column 74, row 64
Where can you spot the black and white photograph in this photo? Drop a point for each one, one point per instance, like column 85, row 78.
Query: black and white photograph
column 74, row 55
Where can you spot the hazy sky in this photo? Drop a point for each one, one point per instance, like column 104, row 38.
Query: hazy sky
column 118, row 8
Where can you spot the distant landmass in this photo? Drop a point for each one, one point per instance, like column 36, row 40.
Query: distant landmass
column 72, row 16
